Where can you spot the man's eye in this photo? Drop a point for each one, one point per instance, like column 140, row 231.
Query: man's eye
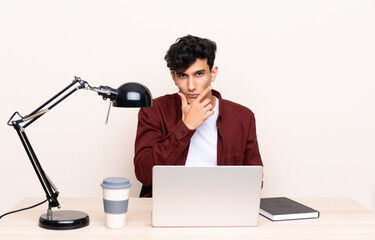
column 199, row 73
column 181, row 75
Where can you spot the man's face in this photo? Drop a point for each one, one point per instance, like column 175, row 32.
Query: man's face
column 195, row 79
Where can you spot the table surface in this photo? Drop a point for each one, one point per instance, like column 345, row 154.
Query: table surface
column 340, row 218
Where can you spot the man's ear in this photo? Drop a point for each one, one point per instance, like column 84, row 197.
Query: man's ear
column 173, row 74
column 214, row 73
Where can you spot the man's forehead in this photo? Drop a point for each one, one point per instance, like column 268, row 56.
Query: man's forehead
column 198, row 65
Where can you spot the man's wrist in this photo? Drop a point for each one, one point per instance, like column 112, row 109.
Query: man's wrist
column 182, row 131
column 188, row 125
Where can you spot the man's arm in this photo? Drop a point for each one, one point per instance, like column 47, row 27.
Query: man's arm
column 252, row 155
column 153, row 146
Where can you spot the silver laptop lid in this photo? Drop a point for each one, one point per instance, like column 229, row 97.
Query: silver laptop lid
column 206, row 196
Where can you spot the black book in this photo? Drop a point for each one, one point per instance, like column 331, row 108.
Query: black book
column 282, row 208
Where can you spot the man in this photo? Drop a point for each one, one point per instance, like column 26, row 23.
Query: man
column 194, row 127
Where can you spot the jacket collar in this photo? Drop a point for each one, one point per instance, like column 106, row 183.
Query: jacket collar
column 218, row 95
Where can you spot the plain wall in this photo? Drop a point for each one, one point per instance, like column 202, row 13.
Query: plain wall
column 305, row 68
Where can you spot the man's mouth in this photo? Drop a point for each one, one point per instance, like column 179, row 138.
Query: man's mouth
column 192, row 95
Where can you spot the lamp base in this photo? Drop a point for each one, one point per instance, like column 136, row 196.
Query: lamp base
column 64, row 220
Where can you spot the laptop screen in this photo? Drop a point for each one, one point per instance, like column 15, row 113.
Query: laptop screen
column 206, row 196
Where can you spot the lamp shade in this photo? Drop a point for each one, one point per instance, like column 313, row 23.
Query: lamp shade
column 133, row 95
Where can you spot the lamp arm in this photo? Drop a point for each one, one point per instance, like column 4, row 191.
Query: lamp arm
column 47, row 185
column 24, row 121
column 37, row 113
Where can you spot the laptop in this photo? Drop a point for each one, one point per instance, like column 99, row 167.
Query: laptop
column 206, row 196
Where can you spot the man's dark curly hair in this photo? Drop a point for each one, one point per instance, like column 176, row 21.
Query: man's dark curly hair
column 185, row 51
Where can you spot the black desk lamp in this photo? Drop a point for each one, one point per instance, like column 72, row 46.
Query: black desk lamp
column 127, row 95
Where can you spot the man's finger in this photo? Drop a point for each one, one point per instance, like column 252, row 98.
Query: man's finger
column 204, row 93
column 184, row 102
column 207, row 108
column 206, row 102
column 209, row 114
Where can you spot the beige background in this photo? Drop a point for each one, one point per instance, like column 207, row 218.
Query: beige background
column 306, row 69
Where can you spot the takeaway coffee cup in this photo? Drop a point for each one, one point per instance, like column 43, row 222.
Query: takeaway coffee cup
column 115, row 199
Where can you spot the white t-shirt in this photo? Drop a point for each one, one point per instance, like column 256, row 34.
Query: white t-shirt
column 203, row 143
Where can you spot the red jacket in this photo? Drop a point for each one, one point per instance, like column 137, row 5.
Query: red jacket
column 163, row 138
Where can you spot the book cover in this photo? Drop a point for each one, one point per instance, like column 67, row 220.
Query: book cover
column 282, row 208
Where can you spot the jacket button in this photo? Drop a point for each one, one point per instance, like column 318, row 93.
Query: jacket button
column 182, row 133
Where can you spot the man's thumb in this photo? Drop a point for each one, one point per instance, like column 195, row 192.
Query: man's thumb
column 183, row 100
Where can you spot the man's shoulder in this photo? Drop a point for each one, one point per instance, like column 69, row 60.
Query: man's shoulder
column 162, row 104
column 230, row 107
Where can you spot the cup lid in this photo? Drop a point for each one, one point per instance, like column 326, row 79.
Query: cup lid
column 116, row 183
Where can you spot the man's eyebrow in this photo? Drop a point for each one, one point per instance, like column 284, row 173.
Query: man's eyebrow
column 200, row 71
column 179, row 73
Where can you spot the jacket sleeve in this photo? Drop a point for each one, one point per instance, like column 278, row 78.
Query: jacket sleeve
column 252, row 155
column 155, row 146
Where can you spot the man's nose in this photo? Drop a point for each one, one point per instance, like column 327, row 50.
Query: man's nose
column 191, row 84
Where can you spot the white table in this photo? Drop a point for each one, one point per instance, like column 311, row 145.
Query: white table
column 339, row 219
